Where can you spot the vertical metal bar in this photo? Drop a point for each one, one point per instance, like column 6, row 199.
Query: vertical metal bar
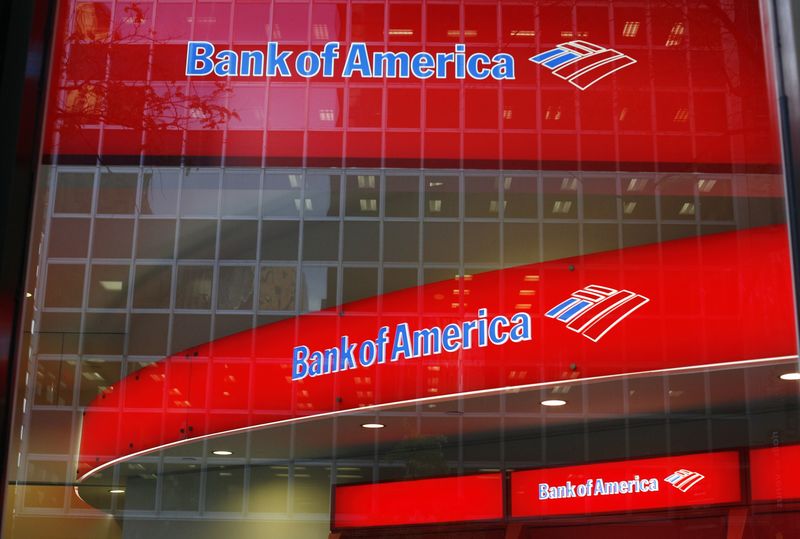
column 25, row 35
column 784, row 17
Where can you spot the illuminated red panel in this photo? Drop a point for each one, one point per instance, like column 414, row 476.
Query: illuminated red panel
column 751, row 308
column 631, row 485
column 423, row 501
column 143, row 53
column 774, row 472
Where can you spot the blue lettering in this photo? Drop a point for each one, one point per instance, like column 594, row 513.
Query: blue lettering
column 460, row 60
column 494, row 333
column 402, row 344
column 227, row 65
column 382, row 341
column 198, row 58
column 366, row 356
column 521, row 331
column 389, row 64
column 299, row 366
column 473, row 68
column 317, row 364
column 307, row 64
column 469, row 327
column 277, row 62
column 427, row 341
column 504, row 66
column 252, row 63
column 442, row 58
column 347, row 358
column 422, row 65
column 331, row 360
column 482, row 328
column 329, row 53
column 357, row 61
column 451, row 337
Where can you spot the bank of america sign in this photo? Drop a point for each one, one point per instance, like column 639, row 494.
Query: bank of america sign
column 578, row 62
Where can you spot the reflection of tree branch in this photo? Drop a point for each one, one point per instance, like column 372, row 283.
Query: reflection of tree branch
column 131, row 104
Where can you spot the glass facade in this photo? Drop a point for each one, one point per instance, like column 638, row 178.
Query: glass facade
column 589, row 260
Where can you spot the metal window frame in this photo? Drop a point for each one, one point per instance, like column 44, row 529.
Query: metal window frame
column 25, row 41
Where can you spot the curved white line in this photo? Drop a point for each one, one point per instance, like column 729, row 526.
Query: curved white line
column 377, row 407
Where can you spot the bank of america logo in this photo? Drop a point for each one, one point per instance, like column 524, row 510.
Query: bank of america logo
column 683, row 480
column 582, row 63
column 594, row 310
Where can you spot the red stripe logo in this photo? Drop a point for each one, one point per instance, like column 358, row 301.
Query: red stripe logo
column 683, row 479
column 582, row 63
column 594, row 310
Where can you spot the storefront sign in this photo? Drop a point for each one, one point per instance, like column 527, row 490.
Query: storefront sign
column 487, row 331
column 633, row 485
column 403, row 343
column 202, row 60
column 424, row 501
column 543, row 93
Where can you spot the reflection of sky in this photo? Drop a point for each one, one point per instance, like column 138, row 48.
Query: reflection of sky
column 315, row 288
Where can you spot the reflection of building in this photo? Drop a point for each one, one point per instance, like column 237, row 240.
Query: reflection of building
column 175, row 213
column 92, row 21
column 144, row 262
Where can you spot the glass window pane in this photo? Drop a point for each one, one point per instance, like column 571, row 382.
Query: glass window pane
column 484, row 243
column 96, row 376
column 481, row 197
column 359, row 283
column 361, row 240
column 108, row 286
column 238, row 240
column 113, row 238
column 240, row 192
column 520, row 243
column 321, row 240
column 155, row 239
column 599, row 197
column 197, row 239
column 402, row 196
column 318, row 288
column 148, row 335
column 277, row 288
column 190, row 330
column 560, row 197
column 322, row 195
column 152, row 287
column 520, row 194
column 200, row 192
column 54, row 382
column 160, row 191
column 362, row 195
column 441, row 242
column 400, row 241
column 74, row 192
column 194, row 287
column 235, row 287
column 441, row 196
column 69, row 238
column 117, row 192
column 281, row 196
column 280, row 240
